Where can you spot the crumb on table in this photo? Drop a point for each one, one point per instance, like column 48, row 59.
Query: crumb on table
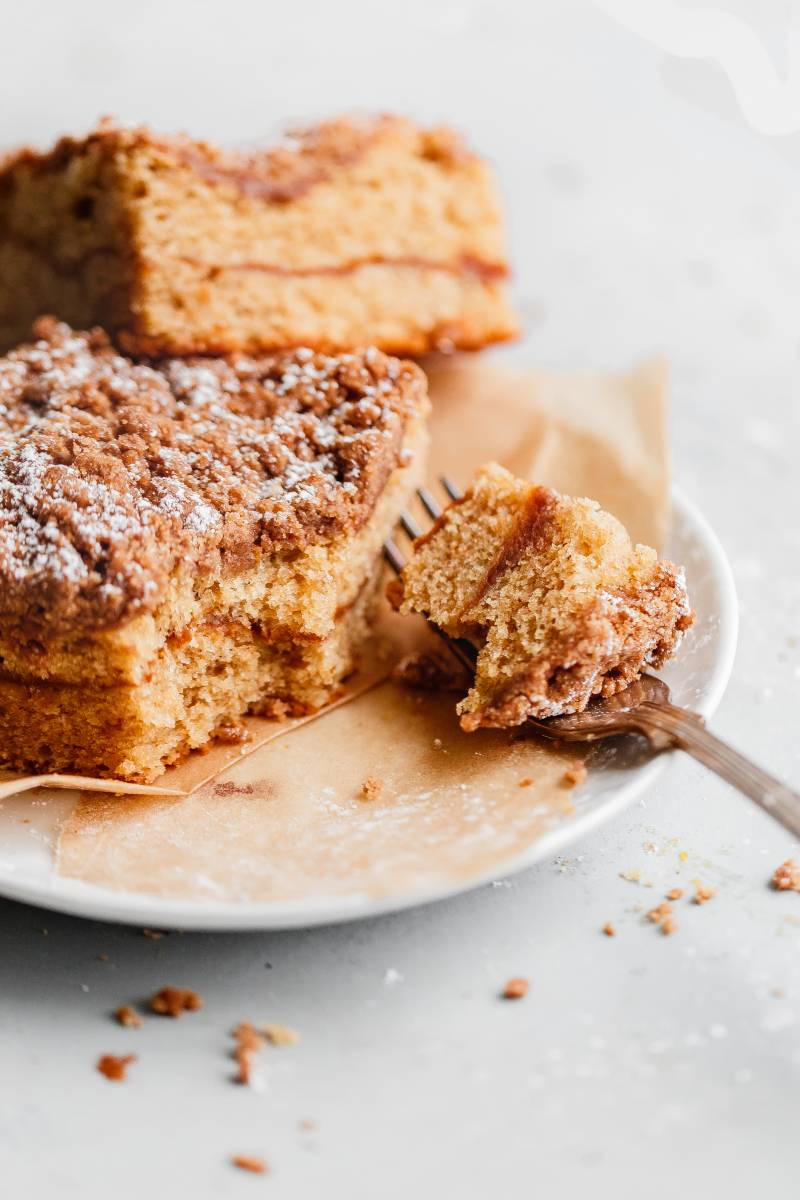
column 516, row 989
column 249, row 1043
column 371, row 788
column 786, row 877
column 609, row 930
column 173, row 1001
column 702, row 893
column 115, row 1066
column 675, row 893
column 280, row 1035
column 249, row 1162
column 128, row 1016
column 662, row 916
column 154, row 934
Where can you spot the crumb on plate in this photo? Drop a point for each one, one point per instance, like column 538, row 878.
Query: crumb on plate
column 516, row 989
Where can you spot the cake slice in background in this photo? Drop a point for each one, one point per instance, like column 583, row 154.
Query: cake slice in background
column 559, row 602
column 182, row 542
column 349, row 233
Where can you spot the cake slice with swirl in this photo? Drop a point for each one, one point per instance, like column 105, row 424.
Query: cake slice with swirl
column 559, row 603
column 186, row 541
column 353, row 232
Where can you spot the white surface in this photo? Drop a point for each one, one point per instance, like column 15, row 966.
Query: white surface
column 646, row 216
column 620, row 775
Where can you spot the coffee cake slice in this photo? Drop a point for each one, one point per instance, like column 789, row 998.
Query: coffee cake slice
column 350, row 233
column 559, row 602
column 184, row 541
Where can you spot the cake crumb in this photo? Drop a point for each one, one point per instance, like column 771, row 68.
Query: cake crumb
column 786, row 877
column 280, row 1035
column 516, row 989
column 609, row 930
column 702, row 893
column 526, row 782
column 371, row 788
column 249, row 1162
column 675, row 893
column 574, row 775
column 249, row 1043
column 128, row 1016
column 115, row 1066
column 154, row 934
column 662, row 916
column 437, row 743
column 232, row 733
column 430, row 672
column 306, row 1125
column 172, row 1001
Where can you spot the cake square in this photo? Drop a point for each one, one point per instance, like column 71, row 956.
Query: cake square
column 184, row 541
column 353, row 232
column 559, row 603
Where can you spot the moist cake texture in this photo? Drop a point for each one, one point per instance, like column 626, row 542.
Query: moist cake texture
column 559, row 602
column 350, row 233
column 183, row 541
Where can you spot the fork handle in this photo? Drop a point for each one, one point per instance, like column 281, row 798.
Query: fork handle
column 665, row 725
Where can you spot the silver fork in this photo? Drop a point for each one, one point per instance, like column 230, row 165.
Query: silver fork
column 644, row 707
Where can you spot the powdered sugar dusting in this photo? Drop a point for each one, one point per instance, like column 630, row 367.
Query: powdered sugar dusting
column 110, row 470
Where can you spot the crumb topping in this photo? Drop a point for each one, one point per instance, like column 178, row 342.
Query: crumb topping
column 113, row 471
column 173, row 1002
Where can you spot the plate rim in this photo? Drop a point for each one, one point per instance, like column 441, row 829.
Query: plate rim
column 92, row 902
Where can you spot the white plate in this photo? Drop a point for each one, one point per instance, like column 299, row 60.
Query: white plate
column 618, row 776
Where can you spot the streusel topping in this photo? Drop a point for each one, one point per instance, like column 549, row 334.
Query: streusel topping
column 112, row 471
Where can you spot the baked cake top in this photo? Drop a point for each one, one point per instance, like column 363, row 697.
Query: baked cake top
column 278, row 173
column 112, row 471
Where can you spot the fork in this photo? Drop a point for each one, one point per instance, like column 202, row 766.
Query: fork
column 643, row 707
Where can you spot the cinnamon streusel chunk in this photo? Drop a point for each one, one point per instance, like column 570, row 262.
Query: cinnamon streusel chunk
column 559, row 603
column 184, row 541
column 350, row 233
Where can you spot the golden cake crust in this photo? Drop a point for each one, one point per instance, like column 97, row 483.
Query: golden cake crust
column 357, row 231
column 113, row 472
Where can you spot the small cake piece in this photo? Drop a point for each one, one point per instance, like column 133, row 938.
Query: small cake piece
column 559, row 603
column 350, row 233
column 182, row 542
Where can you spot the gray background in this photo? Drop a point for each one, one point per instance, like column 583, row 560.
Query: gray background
column 646, row 216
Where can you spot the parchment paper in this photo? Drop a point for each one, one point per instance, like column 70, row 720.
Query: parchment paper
column 284, row 817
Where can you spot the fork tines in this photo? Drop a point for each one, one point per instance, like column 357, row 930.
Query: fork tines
column 462, row 651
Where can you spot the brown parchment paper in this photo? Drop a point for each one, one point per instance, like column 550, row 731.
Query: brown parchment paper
column 283, row 817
